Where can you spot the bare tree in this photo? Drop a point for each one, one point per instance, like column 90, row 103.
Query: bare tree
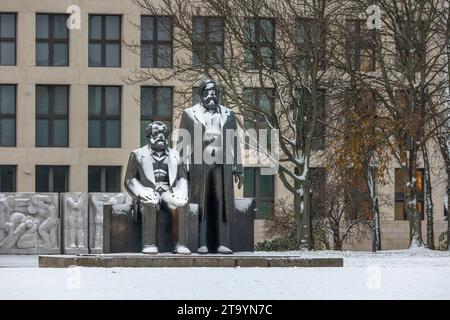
column 408, row 78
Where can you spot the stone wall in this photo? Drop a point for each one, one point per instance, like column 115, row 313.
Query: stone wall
column 34, row 223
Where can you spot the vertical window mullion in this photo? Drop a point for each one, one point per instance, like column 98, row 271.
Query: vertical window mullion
column 256, row 181
column 1, row 115
column 206, row 41
column 103, row 117
column 2, row 39
column 103, row 41
column 103, row 179
column 51, row 92
column 50, row 179
column 155, row 42
column 155, row 103
column 50, row 40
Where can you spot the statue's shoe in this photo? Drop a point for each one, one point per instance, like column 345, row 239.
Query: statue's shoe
column 203, row 250
column 180, row 249
column 151, row 249
column 224, row 250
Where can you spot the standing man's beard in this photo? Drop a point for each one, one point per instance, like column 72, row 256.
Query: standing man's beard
column 210, row 102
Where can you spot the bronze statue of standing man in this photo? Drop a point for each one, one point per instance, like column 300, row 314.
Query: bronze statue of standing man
column 210, row 149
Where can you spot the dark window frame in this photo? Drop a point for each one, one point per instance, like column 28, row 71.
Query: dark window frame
column 402, row 49
column 14, row 168
column 10, row 115
column 400, row 197
column 303, row 56
column 257, row 197
column 13, row 40
column 256, row 93
column 156, row 104
column 359, row 40
column 104, row 117
column 206, row 43
column 317, row 178
column 103, row 41
column 51, row 177
column 156, row 42
column 257, row 44
column 51, row 116
column 52, row 41
column 103, row 176
column 318, row 141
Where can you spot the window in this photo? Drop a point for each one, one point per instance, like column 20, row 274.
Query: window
column 358, row 203
column 52, row 178
column 7, row 39
column 261, row 188
column 208, row 41
column 52, row 40
column 411, row 44
column 360, row 43
column 104, row 40
column 260, row 35
column 305, row 103
column 52, row 123
column 310, row 36
column 7, row 115
column 104, row 179
column 7, row 178
column 156, row 105
column 318, row 187
column 156, row 42
column 400, row 198
column 259, row 106
column 104, row 116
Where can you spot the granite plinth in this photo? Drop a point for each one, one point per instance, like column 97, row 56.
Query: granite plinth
column 178, row 261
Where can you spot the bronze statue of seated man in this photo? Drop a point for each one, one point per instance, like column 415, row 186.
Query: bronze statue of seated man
column 156, row 178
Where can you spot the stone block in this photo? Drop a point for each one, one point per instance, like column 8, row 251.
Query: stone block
column 242, row 232
column 96, row 202
column 29, row 223
column 74, row 214
column 120, row 232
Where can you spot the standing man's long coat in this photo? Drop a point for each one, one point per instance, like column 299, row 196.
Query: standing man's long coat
column 193, row 121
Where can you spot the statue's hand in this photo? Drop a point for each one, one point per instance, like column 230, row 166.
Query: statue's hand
column 239, row 179
column 149, row 197
column 179, row 198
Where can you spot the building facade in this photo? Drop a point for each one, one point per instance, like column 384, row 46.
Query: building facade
column 69, row 120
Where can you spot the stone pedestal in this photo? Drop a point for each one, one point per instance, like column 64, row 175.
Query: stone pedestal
column 122, row 234
column 74, row 211
column 242, row 229
column 137, row 260
column 29, row 223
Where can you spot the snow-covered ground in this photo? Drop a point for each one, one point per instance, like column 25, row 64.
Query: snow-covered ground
column 400, row 274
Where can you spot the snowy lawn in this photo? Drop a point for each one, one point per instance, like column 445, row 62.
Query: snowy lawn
column 400, row 274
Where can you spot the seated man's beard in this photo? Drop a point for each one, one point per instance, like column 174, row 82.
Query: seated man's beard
column 210, row 102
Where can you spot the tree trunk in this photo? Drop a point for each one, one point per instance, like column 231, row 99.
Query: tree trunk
column 304, row 218
column 411, row 200
column 371, row 185
column 448, row 211
column 428, row 199
column 337, row 241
